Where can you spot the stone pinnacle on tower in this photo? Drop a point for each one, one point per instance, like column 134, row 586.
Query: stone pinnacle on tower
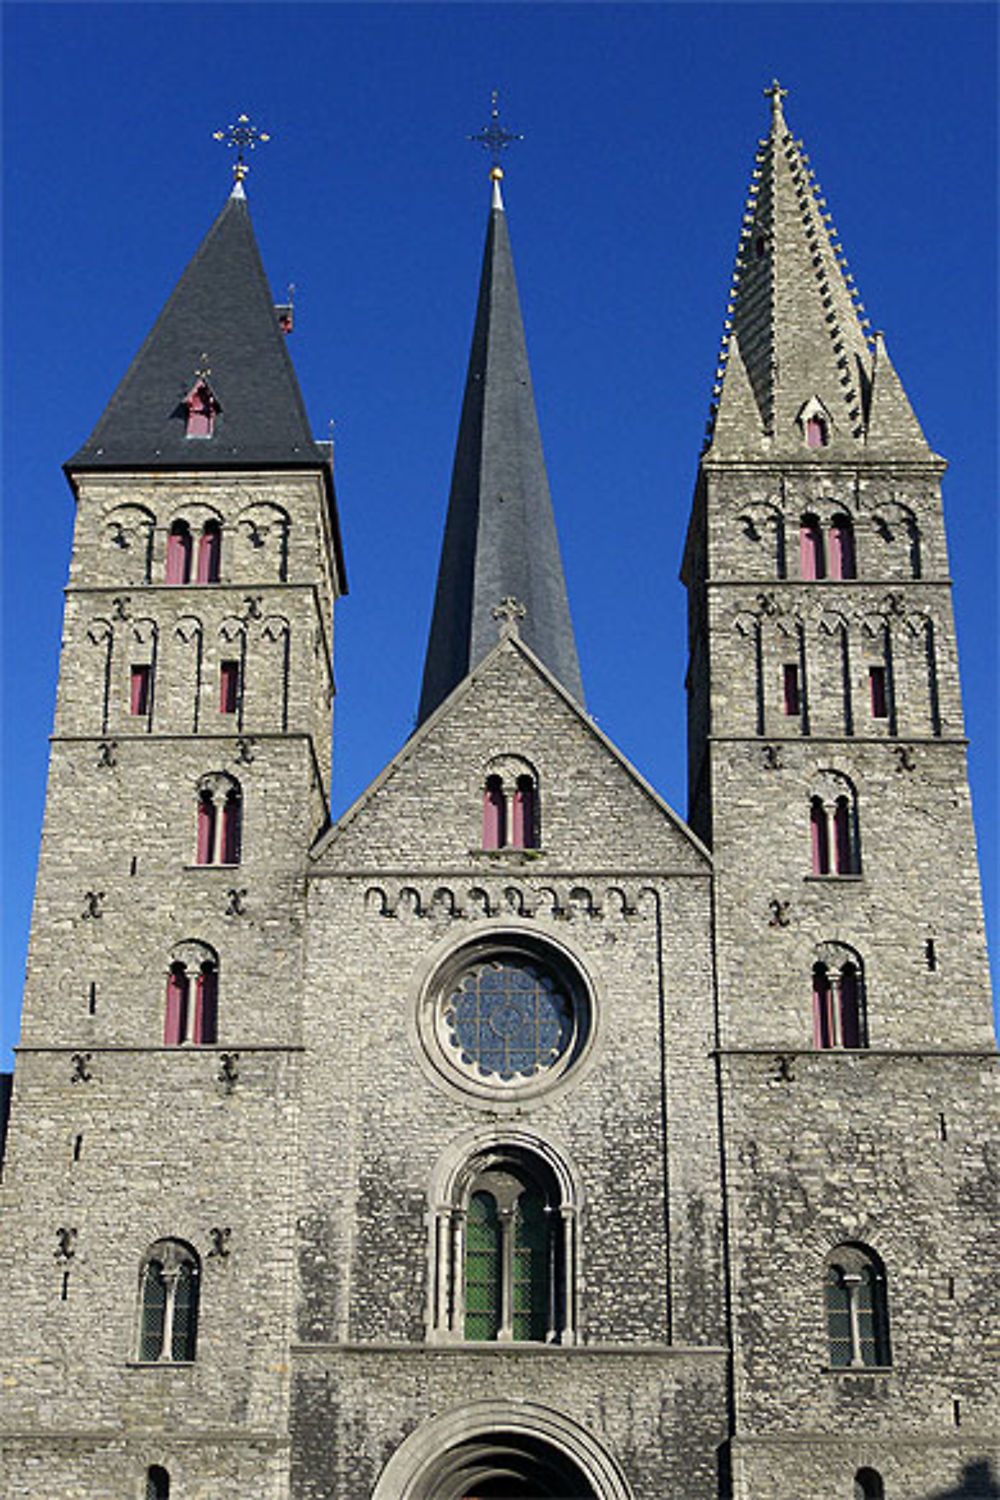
column 500, row 537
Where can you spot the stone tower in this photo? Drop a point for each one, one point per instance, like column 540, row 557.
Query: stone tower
column 828, row 775
column 508, row 1137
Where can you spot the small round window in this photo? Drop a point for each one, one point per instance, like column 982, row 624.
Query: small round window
column 505, row 1018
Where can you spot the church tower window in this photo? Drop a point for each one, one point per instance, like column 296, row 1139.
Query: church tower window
column 494, row 814
column 857, row 1321
column 820, row 836
column 141, row 681
column 833, row 826
column 201, row 408
column 510, row 805
column 185, row 1021
column 229, row 687
column 168, row 1304
column 868, row 1485
column 179, row 547
column 209, row 552
column 817, row 432
column 812, row 553
column 791, row 691
column 838, row 1000
column 220, row 816
column 157, row 1483
column 878, row 692
column 843, row 555
column 522, row 835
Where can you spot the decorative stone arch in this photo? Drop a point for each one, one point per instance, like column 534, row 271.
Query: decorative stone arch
column 130, row 529
column 762, row 523
column 480, row 1158
column 896, row 526
column 447, row 1456
column 262, row 531
column 916, row 640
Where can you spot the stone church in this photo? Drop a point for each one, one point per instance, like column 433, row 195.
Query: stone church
column 511, row 1136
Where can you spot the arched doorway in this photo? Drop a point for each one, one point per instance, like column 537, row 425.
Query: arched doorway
column 501, row 1450
column 505, row 1467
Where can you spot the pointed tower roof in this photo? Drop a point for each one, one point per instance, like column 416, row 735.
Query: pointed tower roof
column 795, row 331
column 500, row 537
column 219, row 327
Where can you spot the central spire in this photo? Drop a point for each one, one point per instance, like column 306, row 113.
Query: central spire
column 500, row 537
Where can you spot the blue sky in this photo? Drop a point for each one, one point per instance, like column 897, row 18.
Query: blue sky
column 624, row 201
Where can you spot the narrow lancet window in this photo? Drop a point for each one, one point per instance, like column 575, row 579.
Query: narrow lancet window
column 792, row 694
column 229, row 687
column 139, row 689
column 812, row 555
column 878, row 692
column 843, row 557
column 523, row 820
column 494, row 814
column 178, row 568
column 820, row 837
column 209, row 553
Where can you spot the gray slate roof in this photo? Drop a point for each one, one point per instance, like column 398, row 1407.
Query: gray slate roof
column 500, row 536
column 221, row 313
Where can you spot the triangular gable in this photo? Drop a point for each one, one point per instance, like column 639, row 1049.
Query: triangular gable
column 425, row 807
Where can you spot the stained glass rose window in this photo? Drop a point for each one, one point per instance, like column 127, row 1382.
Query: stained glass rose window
column 508, row 1018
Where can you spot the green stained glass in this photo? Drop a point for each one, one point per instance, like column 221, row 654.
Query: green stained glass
column 838, row 1318
column 185, row 1328
column 154, row 1308
column 482, row 1268
column 530, row 1291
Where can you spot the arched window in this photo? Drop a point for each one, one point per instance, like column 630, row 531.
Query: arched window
column 820, row 837
column 833, row 826
column 838, row 1000
column 494, row 814
column 868, row 1485
column 857, row 1316
column 509, row 1256
column 504, row 1245
column 178, row 569
column 192, row 1008
column 209, row 552
column 510, row 805
column 157, row 1483
column 812, row 554
column 168, row 1303
column 843, row 556
column 220, row 815
column 522, row 834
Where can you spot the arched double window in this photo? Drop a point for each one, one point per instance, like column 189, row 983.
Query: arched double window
column 181, row 553
column 220, row 815
column 838, row 998
column 510, row 805
column 816, row 560
column 168, row 1303
column 192, row 1006
column 504, row 1252
column 833, row 827
column 857, row 1313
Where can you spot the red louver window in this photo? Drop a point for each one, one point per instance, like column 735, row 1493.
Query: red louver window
column 229, row 687
column 206, row 1005
column 523, row 821
column 205, row 854
column 175, row 1022
column 139, row 691
column 209, row 553
column 494, row 814
column 178, row 568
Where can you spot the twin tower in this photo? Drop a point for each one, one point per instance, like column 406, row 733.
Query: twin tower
column 509, row 1137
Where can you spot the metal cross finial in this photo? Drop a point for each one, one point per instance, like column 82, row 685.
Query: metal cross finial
column 244, row 137
column 493, row 138
column 775, row 93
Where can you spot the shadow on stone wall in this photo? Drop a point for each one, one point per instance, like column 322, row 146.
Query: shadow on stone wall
column 978, row 1482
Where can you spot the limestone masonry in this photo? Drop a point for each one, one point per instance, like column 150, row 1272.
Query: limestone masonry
column 510, row 1137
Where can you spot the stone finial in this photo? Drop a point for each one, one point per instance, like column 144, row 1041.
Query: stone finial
column 776, row 93
column 508, row 615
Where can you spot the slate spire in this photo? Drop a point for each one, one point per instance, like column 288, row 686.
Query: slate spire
column 219, row 325
column 797, row 342
column 500, row 537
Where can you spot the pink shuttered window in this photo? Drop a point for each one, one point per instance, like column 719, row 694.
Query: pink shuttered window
column 201, row 409
column 850, row 1007
column 494, row 814
column 812, row 558
column 817, row 433
column 229, row 853
column 139, row 690
column 879, row 696
column 790, row 687
column 178, row 569
column 175, row 1021
column 206, row 1005
column 205, row 854
column 523, row 834
column 824, row 1032
column 843, row 558
column 229, row 687
column 842, row 841
column 209, row 553
column 820, row 835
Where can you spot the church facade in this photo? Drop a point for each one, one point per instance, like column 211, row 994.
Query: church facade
column 510, row 1136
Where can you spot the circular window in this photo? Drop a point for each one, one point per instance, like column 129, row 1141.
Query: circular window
column 505, row 1017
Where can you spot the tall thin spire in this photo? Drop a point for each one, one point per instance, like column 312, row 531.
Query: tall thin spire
column 500, row 537
column 795, row 336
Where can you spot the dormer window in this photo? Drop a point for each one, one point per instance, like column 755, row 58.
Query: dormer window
column 201, row 409
column 815, row 424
